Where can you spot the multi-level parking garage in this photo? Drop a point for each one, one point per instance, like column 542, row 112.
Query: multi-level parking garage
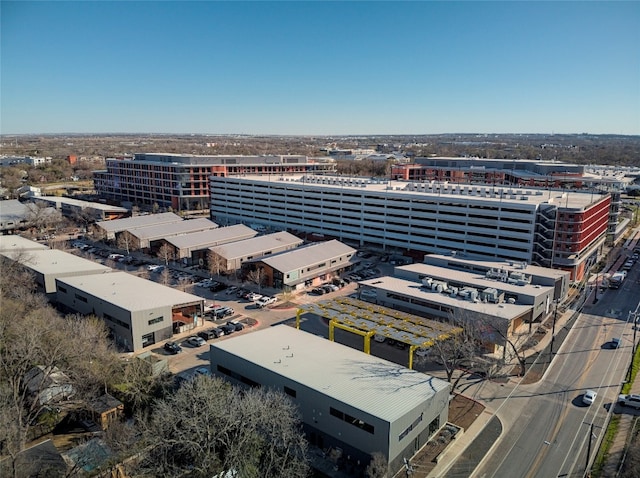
column 548, row 228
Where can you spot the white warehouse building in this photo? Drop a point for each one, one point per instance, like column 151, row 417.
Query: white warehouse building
column 347, row 399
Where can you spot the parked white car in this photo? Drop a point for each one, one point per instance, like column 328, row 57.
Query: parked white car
column 254, row 297
column 265, row 301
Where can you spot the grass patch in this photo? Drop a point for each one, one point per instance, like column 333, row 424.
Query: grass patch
column 603, row 452
column 612, row 429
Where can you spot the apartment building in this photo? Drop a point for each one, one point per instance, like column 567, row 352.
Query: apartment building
column 556, row 229
column 182, row 181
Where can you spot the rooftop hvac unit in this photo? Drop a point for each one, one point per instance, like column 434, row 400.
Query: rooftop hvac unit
column 511, row 300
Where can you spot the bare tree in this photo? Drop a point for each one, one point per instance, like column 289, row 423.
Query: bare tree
column 256, row 276
column 216, row 263
column 378, row 466
column 165, row 277
column 208, row 428
column 125, row 241
column 165, row 253
column 41, row 216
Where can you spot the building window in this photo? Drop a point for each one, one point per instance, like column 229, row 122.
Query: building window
column 410, row 427
column 62, row 289
column 290, row 391
column 237, row 376
column 81, row 298
column 352, row 420
column 156, row 320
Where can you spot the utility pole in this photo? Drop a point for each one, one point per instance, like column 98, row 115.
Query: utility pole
column 586, row 468
column 553, row 328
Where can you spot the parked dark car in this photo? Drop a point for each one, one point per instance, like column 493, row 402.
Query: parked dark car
column 218, row 286
column 172, row 348
column 318, row 291
column 237, row 325
column 228, row 329
column 208, row 334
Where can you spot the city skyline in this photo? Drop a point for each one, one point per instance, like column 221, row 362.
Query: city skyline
column 320, row 68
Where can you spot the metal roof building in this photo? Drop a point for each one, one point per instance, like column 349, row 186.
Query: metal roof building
column 109, row 229
column 186, row 244
column 305, row 264
column 50, row 264
column 145, row 236
column 234, row 254
column 354, row 401
column 138, row 311
column 70, row 206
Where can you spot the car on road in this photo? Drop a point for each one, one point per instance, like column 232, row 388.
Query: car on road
column 317, row 291
column 629, row 400
column 217, row 286
column 589, row 397
column 627, row 265
column 232, row 290
column 196, row 341
column 615, row 342
column 172, row 348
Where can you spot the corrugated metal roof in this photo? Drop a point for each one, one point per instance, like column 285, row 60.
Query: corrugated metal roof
column 307, row 255
column 118, row 225
column 256, row 245
column 371, row 384
column 55, row 261
column 212, row 237
column 129, row 291
column 161, row 231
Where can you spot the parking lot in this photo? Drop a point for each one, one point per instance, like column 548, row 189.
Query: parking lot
column 252, row 306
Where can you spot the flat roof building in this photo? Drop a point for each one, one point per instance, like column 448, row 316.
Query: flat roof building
column 233, row 255
column 564, row 230
column 496, row 321
column 19, row 244
column 139, row 312
column 51, row 264
column 349, row 400
column 70, row 207
column 503, row 270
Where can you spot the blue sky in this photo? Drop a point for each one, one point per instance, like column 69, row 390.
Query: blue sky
column 320, row 68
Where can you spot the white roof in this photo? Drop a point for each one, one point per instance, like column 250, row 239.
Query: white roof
column 161, row 231
column 511, row 266
column 410, row 288
column 304, row 256
column 256, row 245
column 19, row 243
column 80, row 203
column 212, row 237
column 55, row 261
column 118, row 225
column 524, row 197
column 375, row 386
column 129, row 291
column 476, row 279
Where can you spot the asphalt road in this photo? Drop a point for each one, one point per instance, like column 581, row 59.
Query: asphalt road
column 547, row 427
